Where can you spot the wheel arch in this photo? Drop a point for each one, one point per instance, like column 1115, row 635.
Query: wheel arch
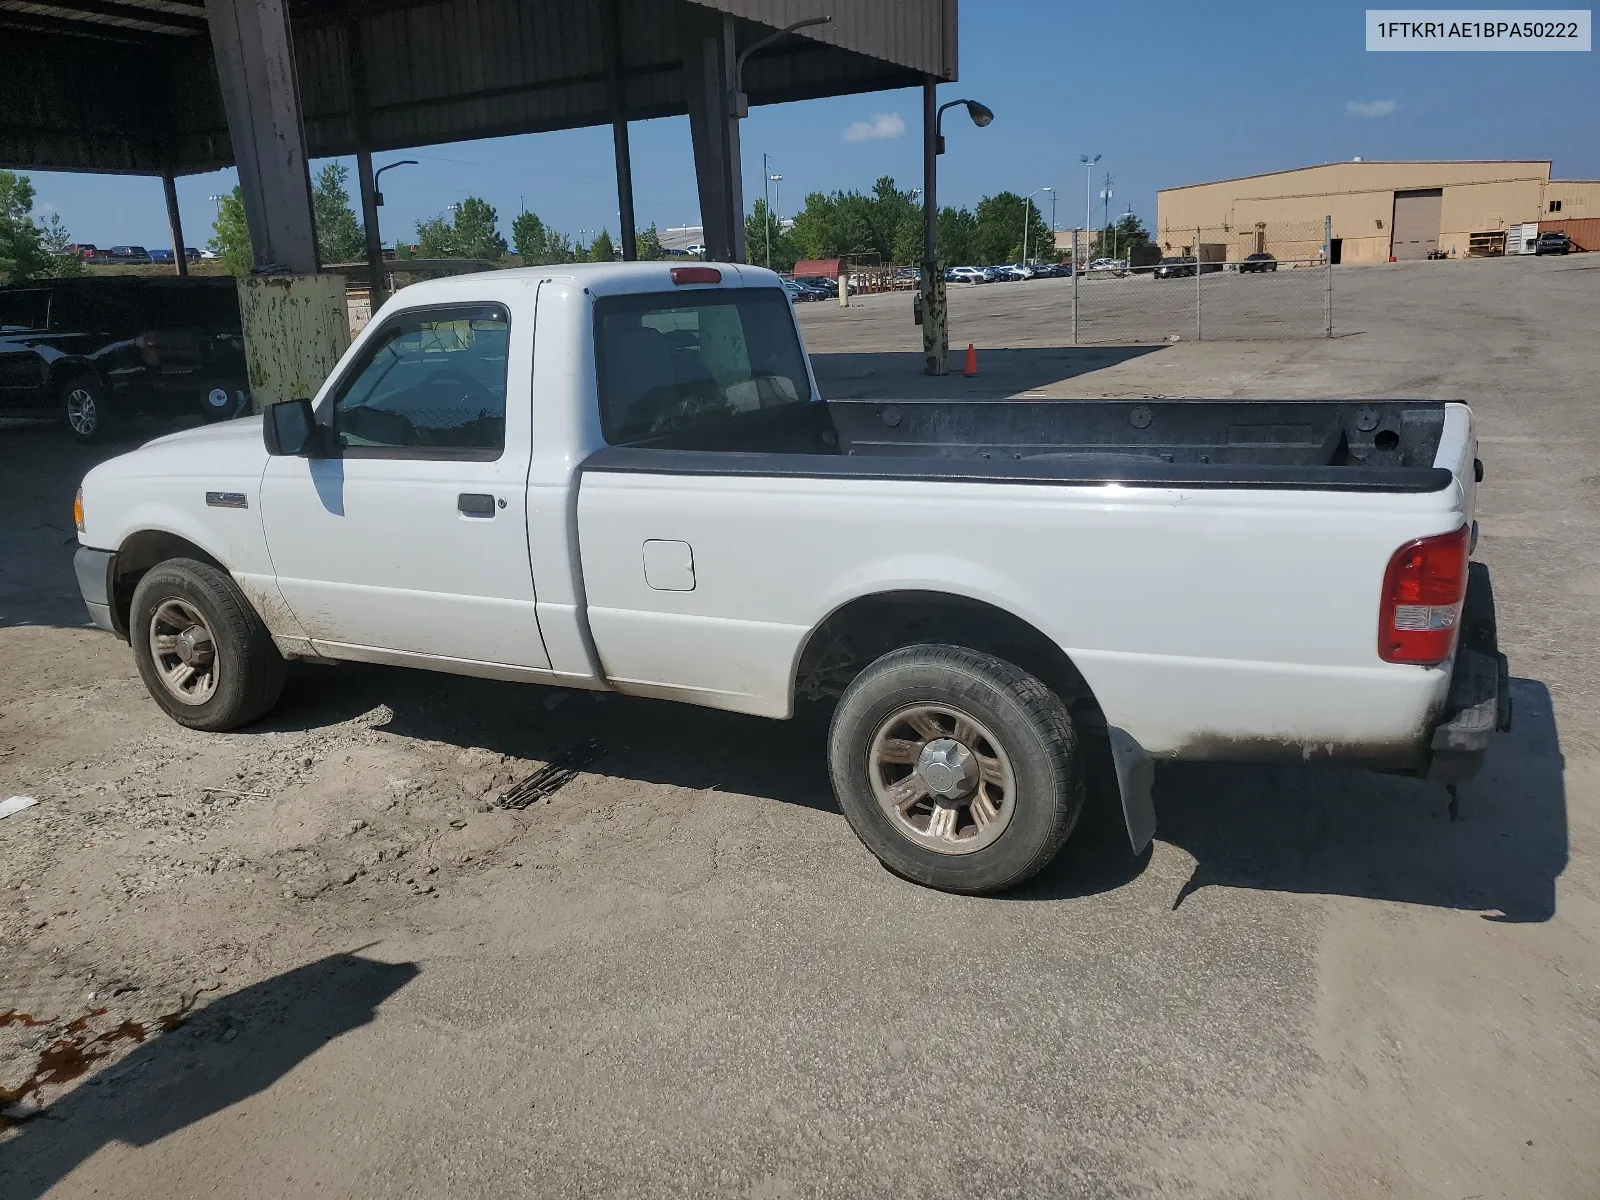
column 140, row 551
column 868, row 626
column 64, row 370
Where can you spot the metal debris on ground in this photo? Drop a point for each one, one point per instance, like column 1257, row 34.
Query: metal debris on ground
column 551, row 777
column 15, row 804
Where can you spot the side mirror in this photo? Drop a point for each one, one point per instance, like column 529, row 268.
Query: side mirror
column 290, row 427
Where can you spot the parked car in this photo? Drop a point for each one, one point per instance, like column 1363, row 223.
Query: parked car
column 1552, row 241
column 86, row 251
column 1107, row 266
column 697, row 250
column 190, row 254
column 1174, row 267
column 128, row 255
column 94, row 350
column 1257, row 262
column 825, row 287
column 704, row 528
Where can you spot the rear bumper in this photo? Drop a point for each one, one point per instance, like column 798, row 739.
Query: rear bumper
column 96, row 571
column 1479, row 703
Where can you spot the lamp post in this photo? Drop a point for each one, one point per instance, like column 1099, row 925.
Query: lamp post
column 935, row 330
column 1088, row 185
column 736, row 108
column 378, row 282
column 1027, row 210
column 766, row 198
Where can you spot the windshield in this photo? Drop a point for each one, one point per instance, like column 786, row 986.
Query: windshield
column 671, row 360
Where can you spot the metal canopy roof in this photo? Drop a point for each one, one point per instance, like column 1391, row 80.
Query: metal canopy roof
column 130, row 85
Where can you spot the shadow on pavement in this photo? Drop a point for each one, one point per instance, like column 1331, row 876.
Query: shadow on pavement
column 1321, row 830
column 40, row 470
column 1001, row 372
column 1358, row 833
column 226, row 1052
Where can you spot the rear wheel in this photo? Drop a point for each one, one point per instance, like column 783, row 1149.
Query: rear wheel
column 84, row 409
column 202, row 650
column 957, row 769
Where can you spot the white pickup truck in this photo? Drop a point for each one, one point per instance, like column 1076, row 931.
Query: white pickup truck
column 621, row 477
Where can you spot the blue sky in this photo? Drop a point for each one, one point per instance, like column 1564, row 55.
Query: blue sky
column 1169, row 93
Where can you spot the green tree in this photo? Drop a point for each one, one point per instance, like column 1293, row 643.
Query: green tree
column 30, row 248
column 536, row 243
column 647, row 243
column 760, row 226
column 832, row 226
column 230, row 235
column 473, row 233
column 998, row 235
column 603, row 249
column 340, row 235
column 1121, row 239
column 956, row 229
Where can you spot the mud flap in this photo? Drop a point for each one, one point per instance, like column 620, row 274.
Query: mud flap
column 1136, row 775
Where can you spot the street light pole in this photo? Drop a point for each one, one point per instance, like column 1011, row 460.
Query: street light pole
column 766, row 208
column 1088, row 186
column 377, row 277
column 1027, row 211
column 935, row 330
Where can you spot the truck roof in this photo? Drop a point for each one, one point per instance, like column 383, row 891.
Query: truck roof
column 616, row 278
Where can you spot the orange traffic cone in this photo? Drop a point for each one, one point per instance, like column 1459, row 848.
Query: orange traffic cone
column 971, row 368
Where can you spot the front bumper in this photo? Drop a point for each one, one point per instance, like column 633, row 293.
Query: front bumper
column 1479, row 703
column 97, row 573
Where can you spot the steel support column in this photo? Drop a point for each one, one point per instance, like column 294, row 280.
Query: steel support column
column 935, row 318
column 619, row 130
column 174, row 223
column 709, row 56
column 256, row 70
column 355, row 51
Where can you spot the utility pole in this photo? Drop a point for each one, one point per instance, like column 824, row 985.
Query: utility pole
column 1088, row 187
column 766, row 208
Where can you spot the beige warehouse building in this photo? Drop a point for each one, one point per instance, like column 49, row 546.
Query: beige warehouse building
column 1379, row 209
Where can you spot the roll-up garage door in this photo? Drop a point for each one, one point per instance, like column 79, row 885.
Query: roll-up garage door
column 1415, row 228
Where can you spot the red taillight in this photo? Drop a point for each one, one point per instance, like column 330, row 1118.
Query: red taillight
column 696, row 275
column 1422, row 592
column 148, row 350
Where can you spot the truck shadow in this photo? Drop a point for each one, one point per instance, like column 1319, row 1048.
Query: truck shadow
column 1361, row 833
column 1291, row 829
column 1002, row 373
column 221, row 1054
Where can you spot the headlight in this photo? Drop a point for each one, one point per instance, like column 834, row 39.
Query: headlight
column 77, row 510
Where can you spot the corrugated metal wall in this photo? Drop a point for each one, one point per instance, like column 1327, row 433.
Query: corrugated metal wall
column 445, row 71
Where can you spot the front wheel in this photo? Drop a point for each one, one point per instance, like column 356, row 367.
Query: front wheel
column 957, row 769
column 202, row 650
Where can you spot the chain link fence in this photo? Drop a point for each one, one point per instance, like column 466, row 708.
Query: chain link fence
column 1261, row 281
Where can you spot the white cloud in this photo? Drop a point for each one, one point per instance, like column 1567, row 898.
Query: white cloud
column 1372, row 108
column 883, row 125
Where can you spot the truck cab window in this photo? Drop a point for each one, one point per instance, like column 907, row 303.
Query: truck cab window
column 669, row 361
column 432, row 383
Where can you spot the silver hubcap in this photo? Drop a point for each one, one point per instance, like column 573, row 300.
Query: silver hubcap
column 81, row 412
column 943, row 780
column 184, row 652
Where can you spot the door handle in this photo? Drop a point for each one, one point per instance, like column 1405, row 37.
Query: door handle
column 475, row 504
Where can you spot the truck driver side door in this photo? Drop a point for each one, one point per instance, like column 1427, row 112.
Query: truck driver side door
column 410, row 542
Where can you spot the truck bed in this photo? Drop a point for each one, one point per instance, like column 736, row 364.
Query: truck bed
column 1384, row 445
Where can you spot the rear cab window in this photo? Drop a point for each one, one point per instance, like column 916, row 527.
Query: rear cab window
column 676, row 361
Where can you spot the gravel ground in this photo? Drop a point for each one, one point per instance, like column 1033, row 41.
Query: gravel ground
column 313, row 956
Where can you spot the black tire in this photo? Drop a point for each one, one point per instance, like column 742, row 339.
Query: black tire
column 1028, row 723
column 84, row 404
column 248, row 670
